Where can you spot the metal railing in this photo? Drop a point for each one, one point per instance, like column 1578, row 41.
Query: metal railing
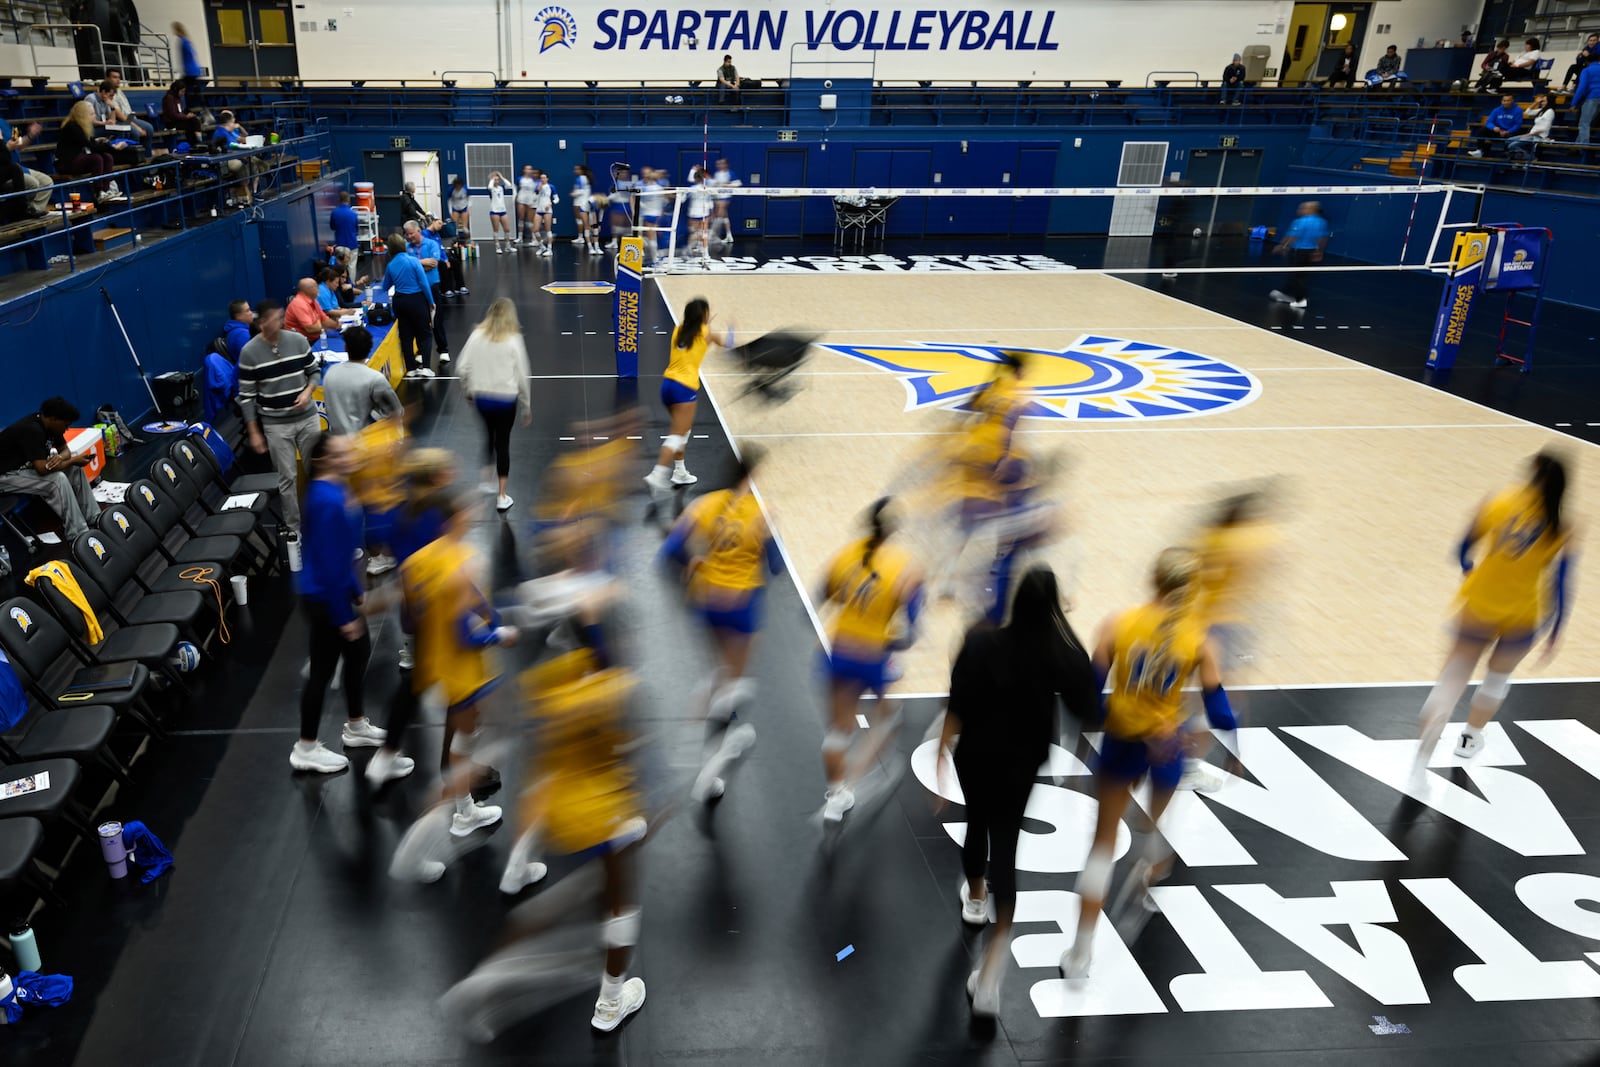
column 168, row 175
column 135, row 56
column 1160, row 79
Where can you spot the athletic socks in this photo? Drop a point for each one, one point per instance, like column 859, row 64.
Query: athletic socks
column 610, row 987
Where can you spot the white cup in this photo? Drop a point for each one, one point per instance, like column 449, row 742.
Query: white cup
column 241, row 594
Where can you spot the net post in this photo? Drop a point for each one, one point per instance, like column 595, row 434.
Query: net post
column 1438, row 227
column 625, row 305
column 672, row 235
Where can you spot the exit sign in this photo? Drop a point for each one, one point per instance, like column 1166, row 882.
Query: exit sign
column 399, row 142
column 1227, row 141
column 788, row 135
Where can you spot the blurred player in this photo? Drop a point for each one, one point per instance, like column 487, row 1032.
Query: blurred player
column 652, row 211
column 1148, row 653
column 701, row 198
column 877, row 592
column 1526, row 549
column 727, row 552
column 1235, row 549
column 680, row 393
column 723, row 179
column 378, row 482
column 527, row 196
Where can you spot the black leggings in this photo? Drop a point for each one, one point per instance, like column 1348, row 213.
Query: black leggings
column 1296, row 284
column 497, row 422
column 328, row 646
column 996, row 795
column 411, row 319
column 439, row 341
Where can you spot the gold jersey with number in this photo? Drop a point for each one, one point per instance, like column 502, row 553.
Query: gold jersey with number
column 440, row 593
column 378, row 480
column 1155, row 648
column 870, row 595
column 1506, row 589
column 729, row 534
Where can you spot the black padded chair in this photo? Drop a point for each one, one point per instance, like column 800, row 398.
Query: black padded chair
column 151, row 644
column 199, row 458
column 20, row 839
column 163, row 514
column 41, row 653
column 201, row 518
column 76, row 733
column 119, row 527
column 47, row 805
column 113, row 569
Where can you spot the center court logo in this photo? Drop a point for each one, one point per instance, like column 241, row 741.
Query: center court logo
column 1093, row 379
column 557, row 27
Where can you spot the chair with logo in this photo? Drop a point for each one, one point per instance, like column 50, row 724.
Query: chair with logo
column 202, row 519
column 40, row 651
column 152, row 644
column 111, row 569
column 160, row 515
column 193, row 453
column 117, row 551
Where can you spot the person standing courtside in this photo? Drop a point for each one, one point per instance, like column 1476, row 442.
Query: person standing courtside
column 1305, row 240
column 352, row 392
column 35, row 461
column 346, row 231
column 277, row 375
column 413, row 306
column 424, row 244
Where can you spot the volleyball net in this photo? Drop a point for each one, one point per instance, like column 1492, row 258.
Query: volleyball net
column 1120, row 230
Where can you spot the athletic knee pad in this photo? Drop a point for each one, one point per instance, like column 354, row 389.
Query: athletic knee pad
column 621, row 931
column 1496, row 684
column 676, row 441
column 1094, row 880
column 463, row 743
column 726, row 701
column 836, row 741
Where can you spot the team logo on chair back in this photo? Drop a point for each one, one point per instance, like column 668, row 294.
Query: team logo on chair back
column 149, row 497
column 98, row 548
column 556, row 27
column 1094, row 378
column 170, row 471
column 187, row 454
column 23, row 619
column 121, row 520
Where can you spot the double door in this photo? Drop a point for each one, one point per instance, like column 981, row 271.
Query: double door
column 251, row 39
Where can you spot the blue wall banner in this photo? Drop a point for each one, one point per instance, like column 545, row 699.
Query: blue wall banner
column 1467, row 257
column 630, row 275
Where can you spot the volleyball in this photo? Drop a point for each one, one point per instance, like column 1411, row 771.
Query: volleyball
column 186, row 657
column 1197, row 231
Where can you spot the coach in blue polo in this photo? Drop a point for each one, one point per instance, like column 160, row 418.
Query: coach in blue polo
column 346, row 225
column 425, row 246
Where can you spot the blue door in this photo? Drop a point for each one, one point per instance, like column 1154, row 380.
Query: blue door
column 1036, row 167
column 785, row 167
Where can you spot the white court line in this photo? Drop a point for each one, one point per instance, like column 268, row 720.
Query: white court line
column 880, row 373
column 861, row 721
column 1145, row 428
column 1306, row 686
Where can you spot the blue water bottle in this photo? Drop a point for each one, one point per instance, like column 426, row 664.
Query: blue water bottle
column 25, row 947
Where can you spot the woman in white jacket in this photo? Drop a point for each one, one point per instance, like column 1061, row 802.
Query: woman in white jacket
column 493, row 366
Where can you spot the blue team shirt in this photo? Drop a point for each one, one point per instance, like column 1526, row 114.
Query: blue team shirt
column 1506, row 119
column 327, row 299
column 429, row 249
column 331, row 534
column 1588, row 85
column 345, row 224
column 1307, row 231
column 405, row 275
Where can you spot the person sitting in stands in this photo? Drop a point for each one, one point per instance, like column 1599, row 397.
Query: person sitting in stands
column 120, row 100
column 1494, row 67
column 305, row 315
column 35, row 461
column 175, row 113
column 1233, row 80
column 1389, row 67
column 39, row 202
column 108, row 115
column 228, row 137
column 78, row 151
column 1502, row 123
column 1344, row 71
column 727, row 82
column 1524, row 67
column 1525, row 146
column 1586, row 55
column 240, row 327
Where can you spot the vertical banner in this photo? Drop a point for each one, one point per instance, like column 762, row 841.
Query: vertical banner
column 1466, row 271
column 1514, row 263
column 625, row 316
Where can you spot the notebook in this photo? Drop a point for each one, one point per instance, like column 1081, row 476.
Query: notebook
column 242, row 500
column 105, row 678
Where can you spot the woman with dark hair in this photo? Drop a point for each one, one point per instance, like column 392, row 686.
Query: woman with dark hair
column 1344, row 70
column 877, row 591
column 680, row 392
column 1515, row 587
column 727, row 551
column 1003, row 692
column 1147, row 653
column 332, row 597
column 176, row 113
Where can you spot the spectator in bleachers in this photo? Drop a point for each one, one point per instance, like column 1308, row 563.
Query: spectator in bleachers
column 727, row 82
column 38, row 204
column 1503, row 123
column 120, row 100
column 305, row 315
column 35, row 461
column 239, row 328
column 1525, row 66
column 108, row 115
column 277, row 375
column 193, row 73
column 353, row 392
column 1344, row 71
column 1493, row 68
column 1524, row 146
column 230, row 136
column 346, row 226
column 1586, row 101
column 1233, row 80
column 175, row 113
column 78, row 151
column 1389, row 67
column 1586, row 55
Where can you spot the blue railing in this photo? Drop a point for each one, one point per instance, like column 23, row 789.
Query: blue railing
column 69, row 226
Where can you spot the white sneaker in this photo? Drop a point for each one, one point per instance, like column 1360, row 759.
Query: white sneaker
column 424, row 372
column 380, row 564
column 893, row 669
column 499, row 250
column 681, row 476
column 463, row 823
column 408, row 659
column 836, row 803
column 659, row 481
column 319, row 759
column 463, row 291
column 985, row 997
column 608, row 1014
column 444, row 357
column 1469, row 745
column 1279, row 295
column 414, row 373
column 578, row 240
column 1298, row 305
column 973, row 912
column 708, row 784
column 1201, row 777
column 449, row 292
column 360, row 733
column 386, row 768
column 1476, row 153
column 515, row 881
column 503, row 503
column 1075, row 961
column 430, row 871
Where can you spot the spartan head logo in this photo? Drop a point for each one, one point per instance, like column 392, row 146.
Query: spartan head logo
column 557, row 27
column 24, row 620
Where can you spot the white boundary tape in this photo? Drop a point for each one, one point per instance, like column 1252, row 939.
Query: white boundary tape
column 1082, row 191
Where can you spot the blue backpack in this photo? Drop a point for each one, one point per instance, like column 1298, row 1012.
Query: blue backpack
column 216, row 443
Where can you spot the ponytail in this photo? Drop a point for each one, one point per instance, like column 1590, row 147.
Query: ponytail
column 1550, row 481
column 694, row 320
column 878, row 519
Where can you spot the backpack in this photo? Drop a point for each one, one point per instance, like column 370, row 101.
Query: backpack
column 220, row 450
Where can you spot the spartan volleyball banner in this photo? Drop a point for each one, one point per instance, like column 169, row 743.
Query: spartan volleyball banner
column 630, row 269
column 1515, row 262
column 1467, row 257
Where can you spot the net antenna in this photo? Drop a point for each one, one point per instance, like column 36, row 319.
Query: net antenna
column 1380, row 223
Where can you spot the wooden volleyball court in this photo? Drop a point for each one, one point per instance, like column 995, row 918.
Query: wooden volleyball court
column 1376, row 475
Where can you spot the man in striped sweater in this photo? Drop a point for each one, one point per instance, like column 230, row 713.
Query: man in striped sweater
column 277, row 374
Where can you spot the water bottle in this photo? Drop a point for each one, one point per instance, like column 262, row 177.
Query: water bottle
column 292, row 546
column 6, row 989
column 112, row 850
column 25, row 947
